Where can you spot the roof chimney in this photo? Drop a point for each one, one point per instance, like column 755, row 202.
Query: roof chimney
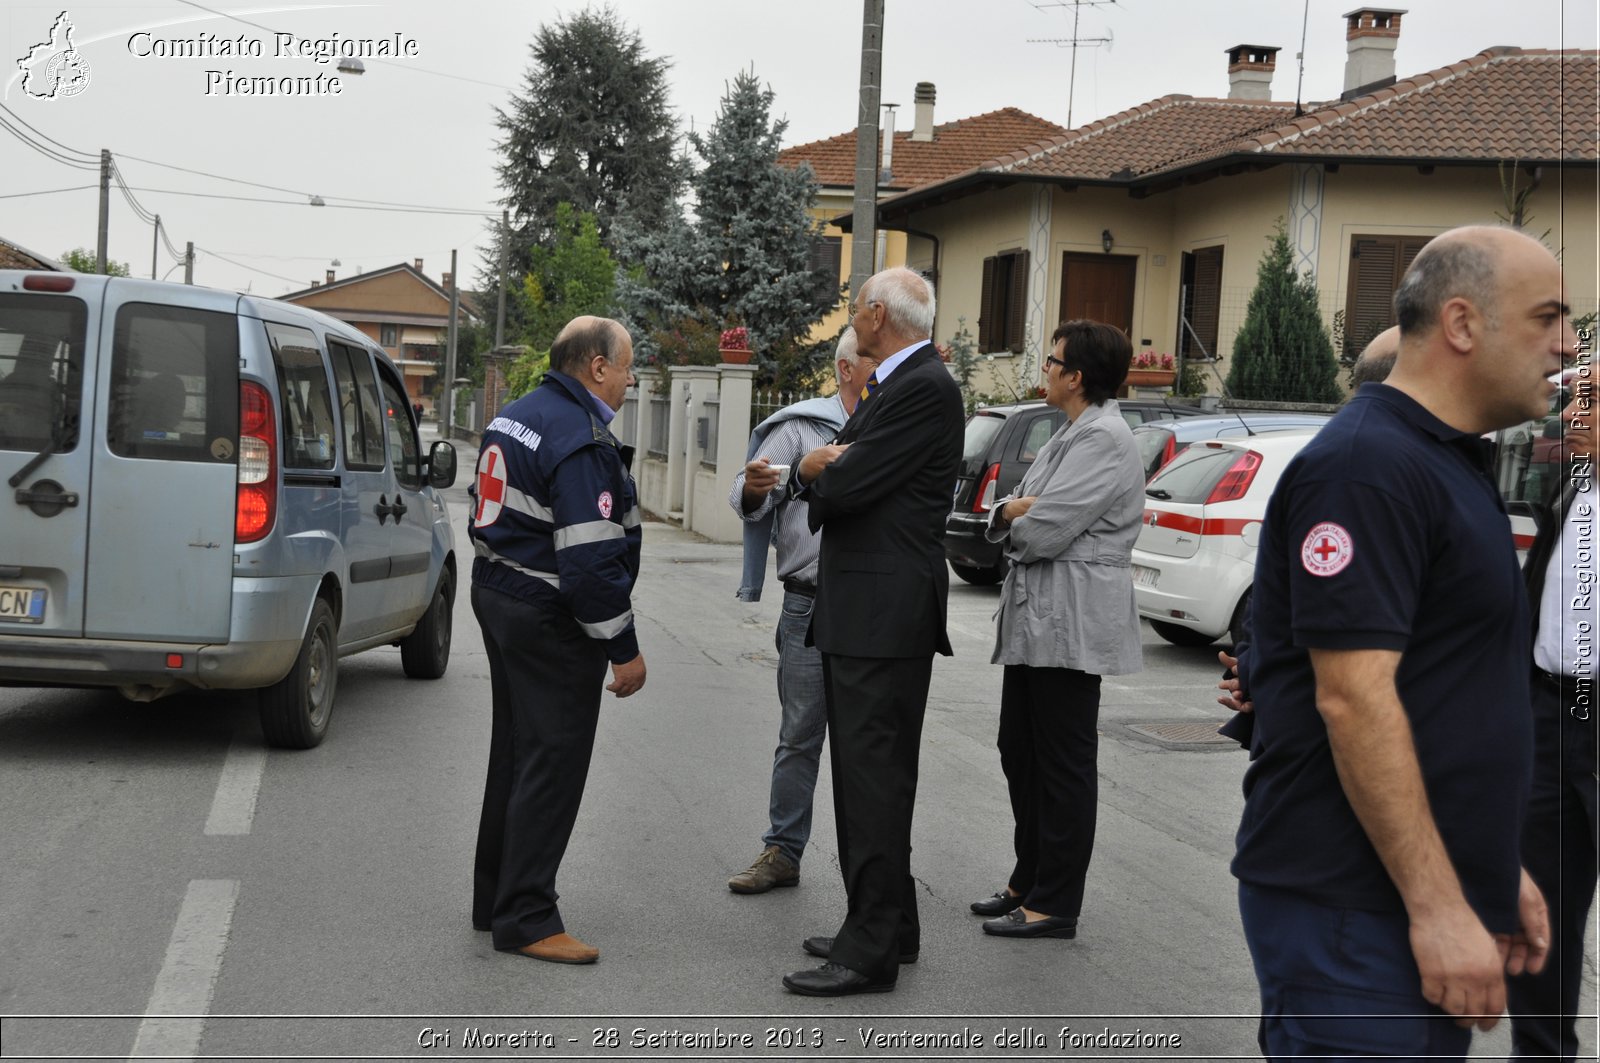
column 886, row 170
column 923, row 129
column 418, row 265
column 1371, row 34
column 445, row 281
column 1250, row 68
column 330, row 276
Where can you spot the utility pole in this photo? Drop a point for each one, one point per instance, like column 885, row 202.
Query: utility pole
column 500, row 314
column 1074, row 42
column 155, row 242
column 188, row 262
column 450, row 353
column 863, row 228
column 105, row 211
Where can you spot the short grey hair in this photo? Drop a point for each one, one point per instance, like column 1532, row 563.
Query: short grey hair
column 1458, row 264
column 581, row 339
column 847, row 348
column 906, row 297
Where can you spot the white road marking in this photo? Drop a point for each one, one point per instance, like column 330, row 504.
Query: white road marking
column 234, row 806
column 189, row 972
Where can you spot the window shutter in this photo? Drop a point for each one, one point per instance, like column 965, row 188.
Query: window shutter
column 1017, row 302
column 986, row 317
column 1205, row 303
column 1374, row 275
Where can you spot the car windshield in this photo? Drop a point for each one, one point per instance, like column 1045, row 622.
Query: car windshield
column 1191, row 476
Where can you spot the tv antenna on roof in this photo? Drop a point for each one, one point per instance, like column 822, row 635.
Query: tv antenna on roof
column 1074, row 42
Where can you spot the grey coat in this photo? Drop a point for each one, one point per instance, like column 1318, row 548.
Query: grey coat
column 1067, row 601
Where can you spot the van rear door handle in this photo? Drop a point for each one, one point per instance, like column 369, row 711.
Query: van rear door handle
column 398, row 509
column 46, row 498
column 383, row 509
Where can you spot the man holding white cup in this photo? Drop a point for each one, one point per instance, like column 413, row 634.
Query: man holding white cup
column 775, row 445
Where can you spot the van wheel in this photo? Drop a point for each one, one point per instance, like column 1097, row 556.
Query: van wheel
column 1179, row 635
column 295, row 709
column 425, row 653
column 981, row 577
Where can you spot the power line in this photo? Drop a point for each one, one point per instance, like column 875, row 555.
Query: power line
column 49, row 153
column 252, row 269
column 88, row 157
column 447, row 211
column 46, row 192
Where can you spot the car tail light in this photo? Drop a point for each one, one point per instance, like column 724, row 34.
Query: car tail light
column 48, row 282
column 1236, row 481
column 983, row 497
column 258, row 465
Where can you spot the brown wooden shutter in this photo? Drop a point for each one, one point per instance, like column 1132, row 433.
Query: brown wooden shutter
column 986, row 316
column 1374, row 274
column 1017, row 303
column 1205, row 303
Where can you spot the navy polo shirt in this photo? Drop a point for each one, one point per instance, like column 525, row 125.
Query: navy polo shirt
column 1387, row 532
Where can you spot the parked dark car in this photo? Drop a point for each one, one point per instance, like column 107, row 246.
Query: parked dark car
column 1000, row 443
column 1161, row 441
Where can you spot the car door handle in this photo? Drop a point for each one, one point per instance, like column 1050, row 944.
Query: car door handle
column 397, row 508
column 383, row 509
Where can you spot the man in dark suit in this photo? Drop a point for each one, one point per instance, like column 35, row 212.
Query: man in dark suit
column 1561, row 836
column 880, row 496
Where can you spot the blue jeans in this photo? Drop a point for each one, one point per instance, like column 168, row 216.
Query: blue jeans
column 1340, row 983
column 801, row 731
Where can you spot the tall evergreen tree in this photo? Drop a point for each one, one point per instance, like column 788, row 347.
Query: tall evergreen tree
column 591, row 127
column 1282, row 352
column 745, row 256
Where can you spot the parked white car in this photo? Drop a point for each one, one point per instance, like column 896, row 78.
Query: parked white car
column 1196, row 554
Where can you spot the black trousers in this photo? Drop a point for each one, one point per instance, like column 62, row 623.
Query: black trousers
column 1560, row 849
column 1049, row 745
column 546, row 676
column 875, row 710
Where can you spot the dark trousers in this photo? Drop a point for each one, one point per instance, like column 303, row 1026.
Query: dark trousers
column 546, row 675
column 875, row 709
column 1048, row 749
column 1340, row 983
column 1560, row 847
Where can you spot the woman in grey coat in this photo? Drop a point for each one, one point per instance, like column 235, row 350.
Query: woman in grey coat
column 1066, row 618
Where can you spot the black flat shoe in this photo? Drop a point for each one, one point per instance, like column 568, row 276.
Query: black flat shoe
column 822, row 947
column 1016, row 925
column 999, row 904
column 832, row 980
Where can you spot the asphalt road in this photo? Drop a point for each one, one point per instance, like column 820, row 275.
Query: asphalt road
column 315, row 904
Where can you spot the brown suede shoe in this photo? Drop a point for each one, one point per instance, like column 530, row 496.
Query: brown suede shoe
column 560, row 948
column 771, row 869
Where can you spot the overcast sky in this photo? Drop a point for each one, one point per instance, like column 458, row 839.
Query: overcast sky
column 419, row 130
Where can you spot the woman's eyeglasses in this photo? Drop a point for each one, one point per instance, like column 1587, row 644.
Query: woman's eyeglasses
column 1050, row 360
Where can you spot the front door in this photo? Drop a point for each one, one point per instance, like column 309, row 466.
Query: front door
column 1098, row 288
column 366, row 486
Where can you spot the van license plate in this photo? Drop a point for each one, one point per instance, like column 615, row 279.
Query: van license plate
column 1145, row 577
column 22, row 604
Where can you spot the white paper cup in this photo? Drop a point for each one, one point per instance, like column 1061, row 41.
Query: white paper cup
column 783, row 473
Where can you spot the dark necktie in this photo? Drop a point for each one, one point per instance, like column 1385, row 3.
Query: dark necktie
column 870, row 386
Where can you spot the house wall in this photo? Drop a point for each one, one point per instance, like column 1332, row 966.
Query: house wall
column 395, row 293
column 831, row 203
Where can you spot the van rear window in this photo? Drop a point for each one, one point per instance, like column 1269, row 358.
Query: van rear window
column 174, row 384
column 41, row 370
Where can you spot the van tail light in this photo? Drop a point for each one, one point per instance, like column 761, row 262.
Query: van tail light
column 1236, row 481
column 48, row 282
column 983, row 497
column 257, row 504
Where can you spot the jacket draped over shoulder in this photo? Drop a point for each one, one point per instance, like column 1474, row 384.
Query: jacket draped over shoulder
column 1067, row 600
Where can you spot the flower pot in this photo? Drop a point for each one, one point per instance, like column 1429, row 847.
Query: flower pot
column 1151, row 378
column 734, row 356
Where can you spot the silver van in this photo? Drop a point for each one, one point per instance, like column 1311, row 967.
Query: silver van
column 210, row 491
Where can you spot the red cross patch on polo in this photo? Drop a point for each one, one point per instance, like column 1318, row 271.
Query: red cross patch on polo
column 1328, row 550
column 604, row 502
column 491, row 486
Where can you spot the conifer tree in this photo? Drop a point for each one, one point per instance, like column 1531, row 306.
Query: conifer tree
column 1282, row 352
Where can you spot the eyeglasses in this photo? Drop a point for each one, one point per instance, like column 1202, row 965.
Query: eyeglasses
column 1050, row 360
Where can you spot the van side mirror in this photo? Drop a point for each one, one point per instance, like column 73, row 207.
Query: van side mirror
column 441, row 465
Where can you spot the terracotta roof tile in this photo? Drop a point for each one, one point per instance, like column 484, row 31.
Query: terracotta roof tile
column 955, row 148
column 1502, row 104
column 14, row 257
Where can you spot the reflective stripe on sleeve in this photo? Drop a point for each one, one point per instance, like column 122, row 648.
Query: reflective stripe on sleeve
column 594, row 531
column 632, row 518
column 524, row 503
column 481, row 548
column 608, row 629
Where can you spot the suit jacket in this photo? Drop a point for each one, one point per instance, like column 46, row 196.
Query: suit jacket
column 881, row 508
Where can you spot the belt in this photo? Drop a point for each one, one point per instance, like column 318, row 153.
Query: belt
column 1567, row 682
column 794, row 586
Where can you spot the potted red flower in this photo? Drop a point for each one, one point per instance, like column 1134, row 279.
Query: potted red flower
column 734, row 346
column 1152, row 370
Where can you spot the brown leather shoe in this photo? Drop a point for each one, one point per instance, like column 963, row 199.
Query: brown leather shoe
column 771, row 869
column 560, row 948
